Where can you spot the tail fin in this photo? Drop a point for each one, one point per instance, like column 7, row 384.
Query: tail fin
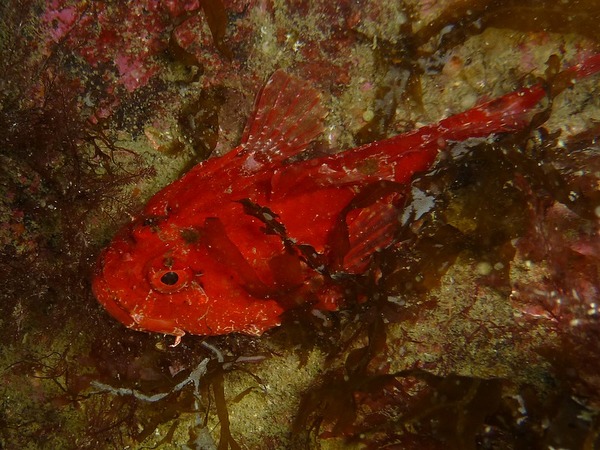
column 400, row 157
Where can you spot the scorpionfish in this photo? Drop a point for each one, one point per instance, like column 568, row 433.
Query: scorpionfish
column 244, row 237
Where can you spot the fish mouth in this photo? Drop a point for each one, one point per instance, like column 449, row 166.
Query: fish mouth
column 135, row 321
column 110, row 301
column 130, row 318
column 106, row 296
column 157, row 326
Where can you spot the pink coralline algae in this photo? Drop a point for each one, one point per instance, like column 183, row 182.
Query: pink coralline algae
column 126, row 35
column 123, row 43
column 59, row 20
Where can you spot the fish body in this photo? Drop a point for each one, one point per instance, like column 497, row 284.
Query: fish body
column 241, row 238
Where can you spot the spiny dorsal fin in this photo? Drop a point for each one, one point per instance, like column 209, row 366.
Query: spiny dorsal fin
column 287, row 117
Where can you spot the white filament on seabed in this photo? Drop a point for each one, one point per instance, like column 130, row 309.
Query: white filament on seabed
column 193, row 377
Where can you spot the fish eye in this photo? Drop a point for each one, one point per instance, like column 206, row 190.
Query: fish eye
column 169, row 278
column 168, row 281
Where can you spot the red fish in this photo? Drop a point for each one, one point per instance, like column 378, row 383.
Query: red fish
column 242, row 238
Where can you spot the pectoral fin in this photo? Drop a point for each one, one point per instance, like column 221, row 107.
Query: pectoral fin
column 367, row 225
column 215, row 238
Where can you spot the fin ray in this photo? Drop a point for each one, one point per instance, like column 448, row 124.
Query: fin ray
column 371, row 230
column 288, row 116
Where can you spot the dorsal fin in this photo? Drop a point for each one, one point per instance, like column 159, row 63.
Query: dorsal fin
column 287, row 117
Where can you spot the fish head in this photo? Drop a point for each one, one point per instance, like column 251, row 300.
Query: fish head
column 161, row 279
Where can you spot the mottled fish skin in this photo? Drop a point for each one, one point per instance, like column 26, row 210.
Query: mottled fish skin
column 242, row 238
